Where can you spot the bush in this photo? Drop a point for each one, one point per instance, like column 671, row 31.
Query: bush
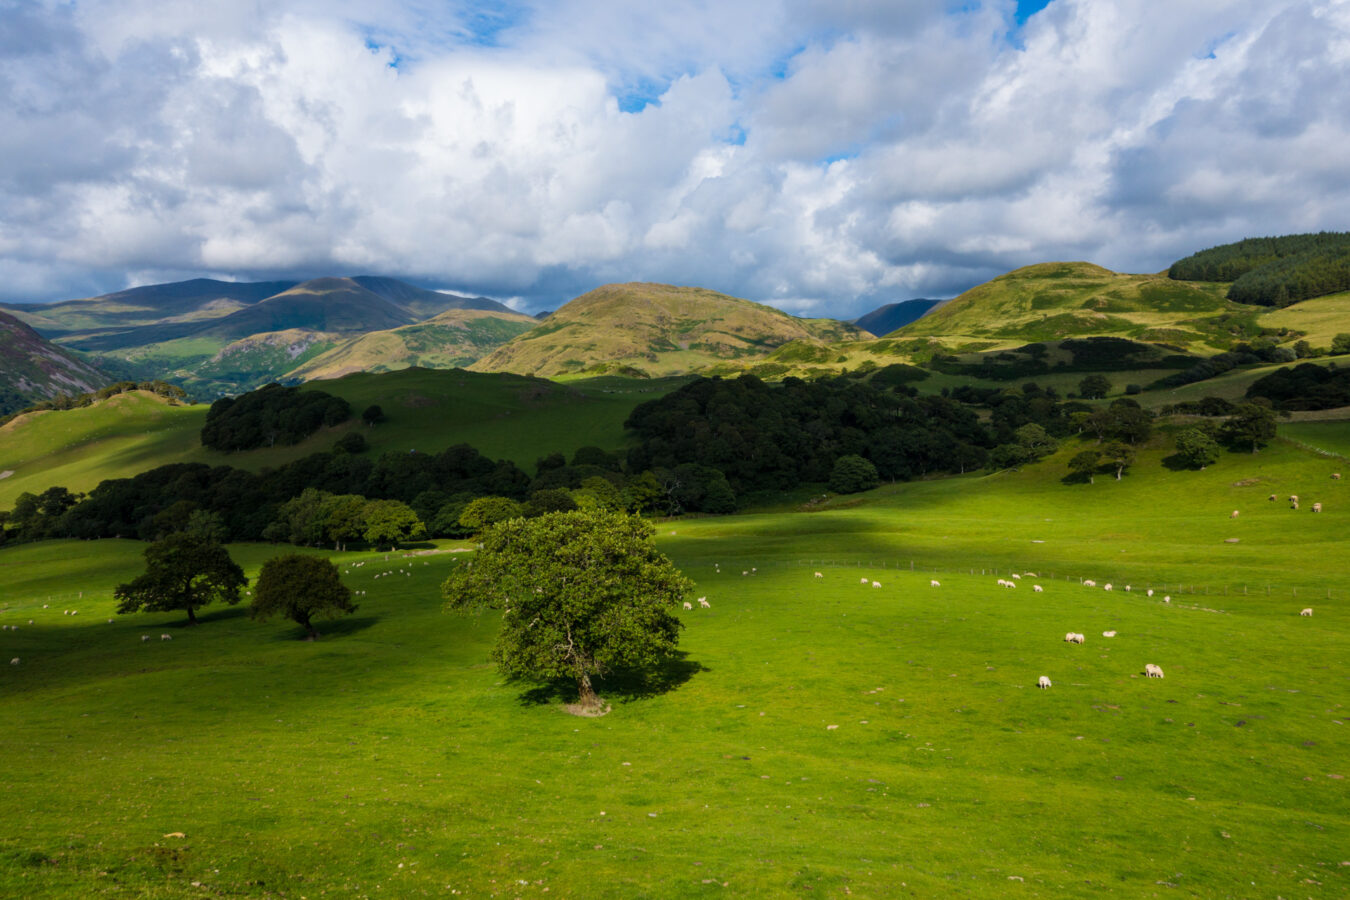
column 852, row 474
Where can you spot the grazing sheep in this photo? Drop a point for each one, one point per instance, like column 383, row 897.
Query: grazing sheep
column 1272, row 498
column 1074, row 637
column 1089, row 583
column 1233, row 514
column 1294, row 505
column 1306, row 612
column 1167, row 598
column 1018, row 577
column 1106, row 587
column 1335, row 476
column 745, row 572
column 934, row 583
column 1150, row 592
column 703, row 602
column 1317, row 507
column 166, row 637
column 876, row 584
column 688, row 605
column 1037, row 588
column 1293, row 498
column 1108, row 634
column 1043, row 682
column 144, row 638
column 1127, row 588
column 864, row 581
column 14, row 661
column 820, row 574
column 1153, row 671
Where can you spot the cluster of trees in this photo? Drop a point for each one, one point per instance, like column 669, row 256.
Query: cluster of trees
column 171, row 392
column 1085, row 355
column 269, row 416
column 1306, row 386
column 1243, row 354
column 1274, row 271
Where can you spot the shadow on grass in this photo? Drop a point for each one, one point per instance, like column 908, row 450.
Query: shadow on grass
column 216, row 614
column 1176, row 463
column 330, row 628
column 622, row 685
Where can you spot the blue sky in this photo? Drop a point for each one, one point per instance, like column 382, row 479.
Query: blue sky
column 821, row 157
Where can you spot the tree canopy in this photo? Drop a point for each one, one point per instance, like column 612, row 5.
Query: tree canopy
column 581, row 593
column 301, row 588
column 269, row 416
column 182, row 572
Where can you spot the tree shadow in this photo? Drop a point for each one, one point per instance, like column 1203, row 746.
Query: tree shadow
column 1078, row 478
column 621, row 685
column 218, row 614
column 330, row 628
column 1177, row 463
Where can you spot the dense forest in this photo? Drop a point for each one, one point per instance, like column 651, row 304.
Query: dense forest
column 1305, row 387
column 270, row 416
column 1274, row 271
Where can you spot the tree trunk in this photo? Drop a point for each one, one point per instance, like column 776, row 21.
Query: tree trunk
column 587, row 697
column 313, row 633
column 192, row 616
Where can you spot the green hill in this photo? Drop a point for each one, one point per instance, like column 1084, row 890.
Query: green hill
column 656, row 329
column 505, row 416
column 454, row 338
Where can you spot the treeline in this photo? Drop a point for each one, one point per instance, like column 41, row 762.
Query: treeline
column 771, row 438
column 172, row 392
column 1092, row 354
column 1274, row 271
column 1243, row 354
column 1307, row 386
column 270, row 416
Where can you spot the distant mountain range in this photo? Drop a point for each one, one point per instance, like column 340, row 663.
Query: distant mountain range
column 885, row 319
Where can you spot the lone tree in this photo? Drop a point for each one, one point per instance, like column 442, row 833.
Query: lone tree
column 1252, row 424
column 581, row 593
column 301, row 588
column 1197, row 448
column 1118, row 456
column 183, row 572
column 1094, row 386
column 1085, row 464
column 852, row 474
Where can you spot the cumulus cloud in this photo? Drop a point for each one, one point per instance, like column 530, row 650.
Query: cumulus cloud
column 826, row 157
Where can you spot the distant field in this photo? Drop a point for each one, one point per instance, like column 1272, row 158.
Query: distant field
column 504, row 416
column 390, row 759
column 1321, row 318
column 1332, row 437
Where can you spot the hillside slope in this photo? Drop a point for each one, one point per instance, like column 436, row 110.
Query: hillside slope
column 656, row 329
column 34, row 369
column 885, row 319
column 454, row 338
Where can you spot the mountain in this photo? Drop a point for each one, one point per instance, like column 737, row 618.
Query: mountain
column 422, row 302
column 455, row 338
column 1051, row 301
column 885, row 319
column 35, row 369
column 655, row 329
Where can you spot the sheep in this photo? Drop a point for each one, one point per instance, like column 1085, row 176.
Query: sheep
column 1335, row 476
column 1233, row 514
column 1167, row 598
column 144, row 638
column 745, row 571
column 820, row 574
column 703, row 602
column 166, row 637
column 1293, row 498
column 1306, row 612
column 14, row 661
column 1150, row 592
column 1272, row 498
column 1294, row 505
column 1106, row 587
column 1153, row 671
column 876, row 584
column 1037, row 588
column 1089, row 583
column 1074, row 637
column 1018, row 577
column 74, row 612
column 1010, row 584
column 934, row 583
column 1317, row 507
column 864, row 580
column 1127, row 588
column 1043, row 682
column 688, row 605
column 1108, row 634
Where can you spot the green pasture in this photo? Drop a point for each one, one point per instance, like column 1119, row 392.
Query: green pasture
column 390, row 760
column 504, row 416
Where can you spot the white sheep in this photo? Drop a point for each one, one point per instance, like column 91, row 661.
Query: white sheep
column 864, row 580
column 1317, row 507
column 876, row 584
column 1127, row 588
column 1306, row 612
column 1335, row 476
column 1106, row 587
column 820, row 574
column 1167, row 598
column 1010, row 584
column 1108, row 634
column 1018, row 577
column 1293, row 498
column 166, row 637
column 1074, row 637
column 1037, row 588
column 1089, row 583
column 703, row 602
column 688, row 605
column 745, row 572
column 1043, row 682
column 144, row 638
column 934, row 583
column 1153, row 671
column 1150, row 592
column 1233, row 514
column 14, row 661
column 1272, row 498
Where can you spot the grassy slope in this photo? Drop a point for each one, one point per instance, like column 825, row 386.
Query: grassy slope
column 660, row 329
column 454, row 338
column 504, row 416
column 1321, row 318
column 389, row 759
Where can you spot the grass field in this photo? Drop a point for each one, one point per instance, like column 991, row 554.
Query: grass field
column 504, row 416
column 390, row 760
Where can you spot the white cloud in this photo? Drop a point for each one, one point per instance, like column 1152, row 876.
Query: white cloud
column 819, row 156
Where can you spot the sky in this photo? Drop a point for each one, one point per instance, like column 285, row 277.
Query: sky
column 822, row 156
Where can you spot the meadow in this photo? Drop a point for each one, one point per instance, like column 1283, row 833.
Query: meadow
column 389, row 759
